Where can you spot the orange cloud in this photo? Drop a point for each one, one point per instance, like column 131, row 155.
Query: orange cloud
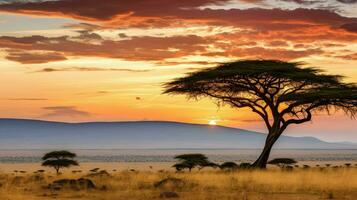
column 146, row 48
column 135, row 48
column 258, row 30
column 34, row 58
column 158, row 13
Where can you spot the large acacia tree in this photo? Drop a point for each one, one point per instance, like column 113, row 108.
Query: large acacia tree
column 280, row 93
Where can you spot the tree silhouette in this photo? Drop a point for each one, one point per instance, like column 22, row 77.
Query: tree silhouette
column 280, row 93
column 190, row 161
column 209, row 164
column 59, row 159
column 229, row 165
column 181, row 166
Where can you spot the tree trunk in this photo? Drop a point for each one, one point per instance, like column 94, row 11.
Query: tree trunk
column 57, row 171
column 262, row 161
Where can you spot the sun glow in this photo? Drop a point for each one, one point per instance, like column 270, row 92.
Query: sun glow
column 212, row 122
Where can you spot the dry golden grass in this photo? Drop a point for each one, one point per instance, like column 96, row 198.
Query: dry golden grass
column 205, row 185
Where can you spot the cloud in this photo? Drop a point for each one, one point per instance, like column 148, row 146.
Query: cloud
column 311, row 2
column 278, row 43
column 90, row 69
column 144, row 48
column 306, row 2
column 161, row 49
column 267, row 53
column 253, row 32
column 59, row 111
column 347, row 1
column 82, row 26
column 105, row 10
column 351, row 27
column 352, row 56
column 34, row 58
column 161, row 13
column 86, row 35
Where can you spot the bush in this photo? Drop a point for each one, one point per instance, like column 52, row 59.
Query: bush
column 229, row 165
column 282, row 161
column 245, row 165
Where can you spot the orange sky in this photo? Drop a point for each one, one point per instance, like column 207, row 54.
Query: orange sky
column 80, row 60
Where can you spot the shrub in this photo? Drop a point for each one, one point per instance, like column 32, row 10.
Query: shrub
column 229, row 166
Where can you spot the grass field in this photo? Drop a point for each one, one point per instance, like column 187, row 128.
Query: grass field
column 313, row 183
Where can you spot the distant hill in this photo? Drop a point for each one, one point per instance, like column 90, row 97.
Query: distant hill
column 34, row 134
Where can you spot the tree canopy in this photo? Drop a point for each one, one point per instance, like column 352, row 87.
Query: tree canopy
column 280, row 93
column 282, row 161
column 58, row 154
column 59, row 159
column 190, row 161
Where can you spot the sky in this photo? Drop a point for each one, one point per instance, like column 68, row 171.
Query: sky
column 90, row 60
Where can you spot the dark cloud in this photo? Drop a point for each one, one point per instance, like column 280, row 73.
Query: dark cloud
column 86, row 35
column 60, row 111
column 89, row 69
column 351, row 27
column 83, row 26
column 34, row 58
column 305, row 2
column 311, row 2
column 135, row 48
column 143, row 13
column 347, row 1
column 105, row 10
column 123, row 35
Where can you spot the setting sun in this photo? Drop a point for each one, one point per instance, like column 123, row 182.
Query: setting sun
column 212, row 122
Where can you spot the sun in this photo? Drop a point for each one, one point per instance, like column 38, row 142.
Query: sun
column 212, row 122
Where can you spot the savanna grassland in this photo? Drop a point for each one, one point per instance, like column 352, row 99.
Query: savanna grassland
column 312, row 183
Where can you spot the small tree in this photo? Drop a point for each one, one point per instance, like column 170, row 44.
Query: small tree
column 348, row 164
column 282, row 162
column 229, row 165
column 59, row 159
column 190, row 161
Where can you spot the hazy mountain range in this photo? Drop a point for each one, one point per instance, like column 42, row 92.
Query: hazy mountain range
column 34, row 134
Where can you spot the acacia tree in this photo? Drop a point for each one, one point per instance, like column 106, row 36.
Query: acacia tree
column 59, row 159
column 280, row 93
column 191, row 161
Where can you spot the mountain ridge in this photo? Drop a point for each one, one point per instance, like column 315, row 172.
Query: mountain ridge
column 32, row 133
